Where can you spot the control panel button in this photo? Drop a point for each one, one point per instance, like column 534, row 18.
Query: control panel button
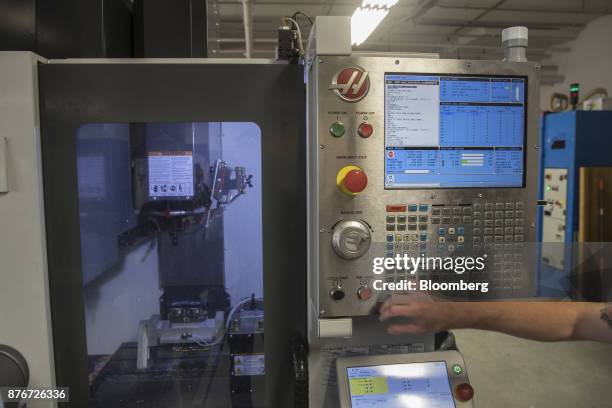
column 337, row 129
column 337, row 294
column 464, row 392
column 396, row 208
column 364, row 293
column 365, row 130
column 351, row 239
column 351, row 180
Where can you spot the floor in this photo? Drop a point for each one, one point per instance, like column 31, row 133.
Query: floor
column 509, row 372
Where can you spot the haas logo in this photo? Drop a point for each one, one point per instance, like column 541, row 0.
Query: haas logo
column 351, row 84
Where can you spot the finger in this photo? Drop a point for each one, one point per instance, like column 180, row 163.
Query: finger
column 409, row 328
column 396, row 311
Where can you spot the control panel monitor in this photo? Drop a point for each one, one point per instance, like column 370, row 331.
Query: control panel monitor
column 435, row 380
column 454, row 131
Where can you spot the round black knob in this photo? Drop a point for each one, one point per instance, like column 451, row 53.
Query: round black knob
column 14, row 370
column 337, row 294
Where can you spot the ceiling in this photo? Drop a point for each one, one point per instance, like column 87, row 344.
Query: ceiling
column 468, row 29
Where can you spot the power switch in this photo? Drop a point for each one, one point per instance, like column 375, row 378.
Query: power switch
column 337, row 129
column 365, row 130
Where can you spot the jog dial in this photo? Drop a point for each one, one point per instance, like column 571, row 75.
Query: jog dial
column 351, row 239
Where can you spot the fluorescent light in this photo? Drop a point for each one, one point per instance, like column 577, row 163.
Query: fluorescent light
column 366, row 18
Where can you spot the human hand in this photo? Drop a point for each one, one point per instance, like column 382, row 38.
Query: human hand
column 419, row 313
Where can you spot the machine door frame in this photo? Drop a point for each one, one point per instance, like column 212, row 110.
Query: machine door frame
column 74, row 92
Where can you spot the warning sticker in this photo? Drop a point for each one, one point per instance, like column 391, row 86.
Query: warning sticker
column 249, row 364
column 171, row 174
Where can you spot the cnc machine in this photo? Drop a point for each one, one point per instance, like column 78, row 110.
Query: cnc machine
column 194, row 244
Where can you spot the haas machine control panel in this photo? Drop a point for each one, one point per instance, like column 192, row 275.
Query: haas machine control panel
column 420, row 156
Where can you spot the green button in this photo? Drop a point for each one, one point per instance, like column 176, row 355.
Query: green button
column 457, row 369
column 337, row 129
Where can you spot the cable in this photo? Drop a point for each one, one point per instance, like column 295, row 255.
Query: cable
column 301, row 13
column 299, row 33
column 203, row 343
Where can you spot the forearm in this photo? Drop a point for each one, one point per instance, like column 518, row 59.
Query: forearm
column 545, row 321
column 594, row 322
column 536, row 320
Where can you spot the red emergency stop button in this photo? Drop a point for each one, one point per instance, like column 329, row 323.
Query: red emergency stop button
column 351, row 180
column 365, row 130
column 464, row 392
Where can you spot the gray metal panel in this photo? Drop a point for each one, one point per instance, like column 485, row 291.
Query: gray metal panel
column 328, row 155
column 24, row 292
column 272, row 96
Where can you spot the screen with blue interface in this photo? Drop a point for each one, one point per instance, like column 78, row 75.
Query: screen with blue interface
column 400, row 386
column 454, row 131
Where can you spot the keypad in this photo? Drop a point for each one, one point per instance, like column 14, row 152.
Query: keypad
column 491, row 227
column 413, row 225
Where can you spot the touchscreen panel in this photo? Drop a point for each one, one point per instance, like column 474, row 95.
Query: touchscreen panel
column 400, row 386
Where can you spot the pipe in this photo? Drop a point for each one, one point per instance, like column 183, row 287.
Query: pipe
column 247, row 17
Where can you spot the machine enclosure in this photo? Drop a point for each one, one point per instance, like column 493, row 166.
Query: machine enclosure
column 569, row 141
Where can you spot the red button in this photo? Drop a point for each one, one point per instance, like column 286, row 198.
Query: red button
column 364, row 293
column 365, row 130
column 355, row 181
column 464, row 392
column 396, row 208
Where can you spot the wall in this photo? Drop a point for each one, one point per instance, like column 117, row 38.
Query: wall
column 589, row 62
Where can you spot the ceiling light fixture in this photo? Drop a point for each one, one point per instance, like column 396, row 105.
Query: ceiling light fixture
column 366, row 18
